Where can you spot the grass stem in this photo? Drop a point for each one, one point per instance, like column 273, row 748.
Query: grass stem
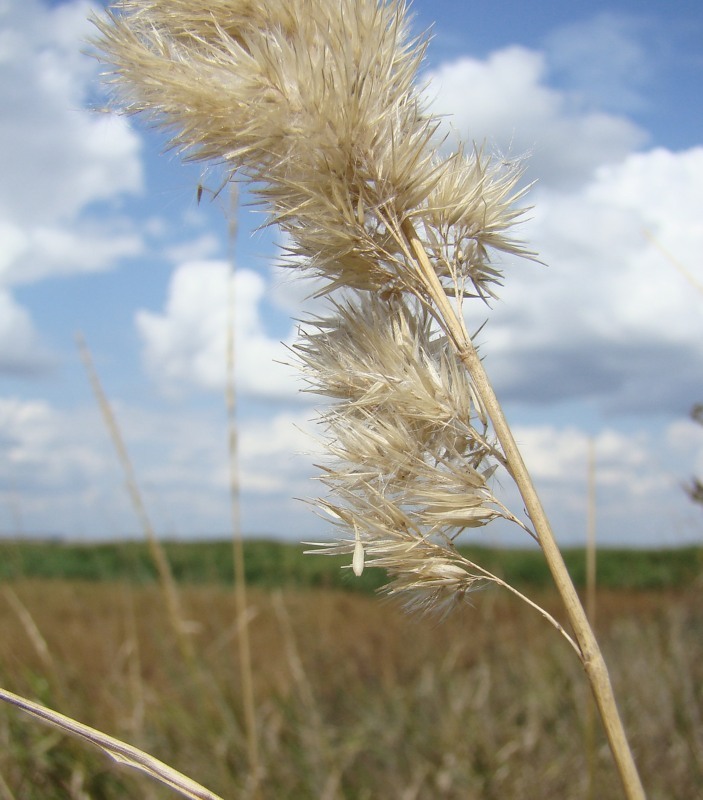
column 240, row 587
column 117, row 750
column 590, row 653
column 163, row 568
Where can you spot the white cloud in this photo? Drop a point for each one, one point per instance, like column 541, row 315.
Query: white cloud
column 50, row 468
column 198, row 249
column 57, row 159
column 185, row 346
column 20, row 349
column 52, row 250
column 57, row 156
column 506, row 102
column 182, row 464
column 610, row 318
column 59, row 474
column 639, row 476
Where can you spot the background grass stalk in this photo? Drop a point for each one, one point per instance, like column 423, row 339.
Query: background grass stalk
column 207, row 691
column 32, row 630
column 168, row 584
column 591, row 567
column 240, row 590
column 590, row 653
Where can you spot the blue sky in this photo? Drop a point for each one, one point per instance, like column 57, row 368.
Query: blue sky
column 102, row 233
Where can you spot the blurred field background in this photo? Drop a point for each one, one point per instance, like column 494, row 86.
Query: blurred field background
column 354, row 698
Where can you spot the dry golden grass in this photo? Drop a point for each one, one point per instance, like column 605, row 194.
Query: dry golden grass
column 354, row 698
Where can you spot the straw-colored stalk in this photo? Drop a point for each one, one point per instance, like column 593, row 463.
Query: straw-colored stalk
column 118, row 751
column 591, row 607
column 157, row 552
column 315, row 103
column 240, row 586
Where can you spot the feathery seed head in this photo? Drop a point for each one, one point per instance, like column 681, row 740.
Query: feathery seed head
column 410, row 456
column 469, row 212
column 315, row 102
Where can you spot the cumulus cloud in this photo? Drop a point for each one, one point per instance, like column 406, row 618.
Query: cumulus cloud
column 610, row 318
column 185, row 346
column 44, row 251
column 21, row 352
column 185, row 452
column 202, row 247
column 639, row 475
column 58, row 159
column 50, row 469
column 59, row 474
column 277, row 455
column 506, row 102
column 608, row 321
column 57, row 467
column 182, row 462
column 57, row 156
column 45, row 448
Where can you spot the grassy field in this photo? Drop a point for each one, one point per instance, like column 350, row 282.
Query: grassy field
column 354, row 699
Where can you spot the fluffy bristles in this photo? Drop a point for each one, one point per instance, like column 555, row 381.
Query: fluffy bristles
column 470, row 212
column 410, row 457
column 315, row 102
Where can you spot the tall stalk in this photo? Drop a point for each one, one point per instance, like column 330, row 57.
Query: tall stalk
column 590, row 652
column 167, row 582
column 240, row 584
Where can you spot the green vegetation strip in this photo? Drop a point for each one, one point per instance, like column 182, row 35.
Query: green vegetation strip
column 270, row 564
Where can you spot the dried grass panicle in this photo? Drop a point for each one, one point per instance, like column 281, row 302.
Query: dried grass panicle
column 316, row 103
column 410, row 452
column 470, row 210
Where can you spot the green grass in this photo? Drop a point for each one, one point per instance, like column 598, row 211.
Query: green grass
column 271, row 564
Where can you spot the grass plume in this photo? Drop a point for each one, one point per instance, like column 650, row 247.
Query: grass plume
column 316, row 104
